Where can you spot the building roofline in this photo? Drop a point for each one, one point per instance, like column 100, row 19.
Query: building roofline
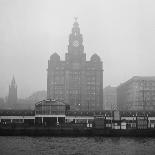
column 134, row 78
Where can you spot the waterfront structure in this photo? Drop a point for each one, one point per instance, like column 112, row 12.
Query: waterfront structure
column 12, row 97
column 110, row 98
column 50, row 112
column 138, row 93
column 75, row 80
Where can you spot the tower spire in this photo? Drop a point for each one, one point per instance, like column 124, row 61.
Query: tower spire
column 13, row 82
column 76, row 18
column 75, row 47
column 12, row 97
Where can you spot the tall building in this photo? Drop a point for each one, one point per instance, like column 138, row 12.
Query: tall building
column 75, row 80
column 110, row 98
column 138, row 93
column 12, row 97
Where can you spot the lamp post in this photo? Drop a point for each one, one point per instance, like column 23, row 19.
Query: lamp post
column 88, row 105
column 144, row 94
column 79, row 107
column 111, row 115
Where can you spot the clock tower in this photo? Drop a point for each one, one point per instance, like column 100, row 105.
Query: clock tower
column 75, row 47
column 75, row 80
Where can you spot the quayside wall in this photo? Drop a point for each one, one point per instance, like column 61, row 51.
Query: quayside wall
column 66, row 132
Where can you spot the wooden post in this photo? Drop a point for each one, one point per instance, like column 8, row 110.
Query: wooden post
column 42, row 120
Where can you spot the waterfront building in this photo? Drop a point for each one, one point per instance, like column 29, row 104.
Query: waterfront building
column 110, row 98
column 138, row 93
column 12, row 97
column 54, row 113
column 50, row 112
column 75, row 80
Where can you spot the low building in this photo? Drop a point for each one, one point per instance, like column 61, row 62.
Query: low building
column 138, row 93
column 50, row 112
column 110, row 98
column 18, row 117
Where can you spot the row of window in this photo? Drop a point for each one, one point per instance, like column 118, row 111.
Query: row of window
column 50, row 108
column 76, row 80
column 86, row 72
column 45, row 112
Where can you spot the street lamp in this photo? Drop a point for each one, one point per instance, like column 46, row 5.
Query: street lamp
column 88, row 105
column 79, row 106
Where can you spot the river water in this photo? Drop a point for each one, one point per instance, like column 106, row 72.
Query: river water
column 76, row 146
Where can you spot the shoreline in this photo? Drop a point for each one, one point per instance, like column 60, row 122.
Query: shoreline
column 68, row 132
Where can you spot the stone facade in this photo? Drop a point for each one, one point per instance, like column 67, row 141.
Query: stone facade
column 138, row 93
column 110, row 98
column 75, row 80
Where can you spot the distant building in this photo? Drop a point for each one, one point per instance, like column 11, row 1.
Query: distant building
column 37, row 96
column 12, row 97
column 1, row 101
column 76, row 81
column 138, row 93
column 110, row 98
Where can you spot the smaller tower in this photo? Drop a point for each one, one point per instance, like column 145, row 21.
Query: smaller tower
column 12, row 98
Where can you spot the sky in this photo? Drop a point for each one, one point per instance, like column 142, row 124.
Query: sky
column 121, row 32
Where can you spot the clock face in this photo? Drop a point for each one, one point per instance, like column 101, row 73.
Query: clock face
column 75, row 43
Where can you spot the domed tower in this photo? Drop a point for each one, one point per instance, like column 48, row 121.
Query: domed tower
column 55, row 57
column 12, row 97
column 55, row 77
column 95, row 58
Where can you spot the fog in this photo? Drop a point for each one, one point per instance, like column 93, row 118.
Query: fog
column 121, row 32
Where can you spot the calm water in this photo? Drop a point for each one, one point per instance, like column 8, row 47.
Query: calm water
column 76, row 146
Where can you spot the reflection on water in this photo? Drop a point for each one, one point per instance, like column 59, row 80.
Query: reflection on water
column 76, row 146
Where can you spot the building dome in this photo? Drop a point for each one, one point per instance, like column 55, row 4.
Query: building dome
column 95, row 58
column 55, row 57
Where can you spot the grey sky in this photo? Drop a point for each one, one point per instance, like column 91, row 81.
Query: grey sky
column 122, row 32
